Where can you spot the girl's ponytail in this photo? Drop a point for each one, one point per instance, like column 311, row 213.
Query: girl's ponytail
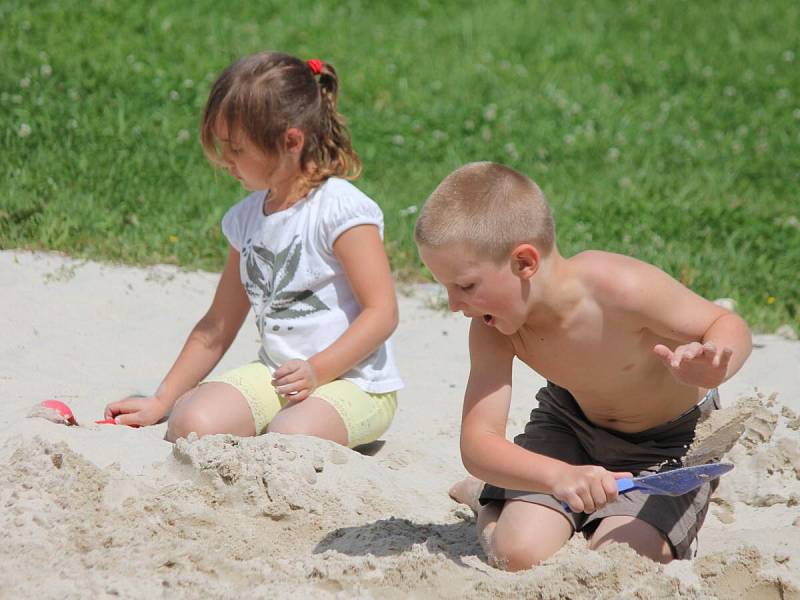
column 335, row 154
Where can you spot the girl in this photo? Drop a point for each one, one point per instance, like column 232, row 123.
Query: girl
column 306, row 253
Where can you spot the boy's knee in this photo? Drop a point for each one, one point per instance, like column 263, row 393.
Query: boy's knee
column 514, row 552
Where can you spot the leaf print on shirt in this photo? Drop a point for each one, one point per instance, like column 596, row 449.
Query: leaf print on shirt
column 272, row 274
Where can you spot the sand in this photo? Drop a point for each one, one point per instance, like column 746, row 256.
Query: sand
column 107, row 511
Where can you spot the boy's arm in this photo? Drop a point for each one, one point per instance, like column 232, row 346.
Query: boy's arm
column 485, row 451
column 489, row 456
column 715, row 341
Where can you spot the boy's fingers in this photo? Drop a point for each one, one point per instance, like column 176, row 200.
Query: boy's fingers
column 663, row 352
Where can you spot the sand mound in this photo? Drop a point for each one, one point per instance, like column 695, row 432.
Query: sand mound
column 234, row 517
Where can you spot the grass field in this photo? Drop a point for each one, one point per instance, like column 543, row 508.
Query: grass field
column 666, row 130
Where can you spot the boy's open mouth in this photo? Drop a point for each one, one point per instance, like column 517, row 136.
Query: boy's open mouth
column 488, row 319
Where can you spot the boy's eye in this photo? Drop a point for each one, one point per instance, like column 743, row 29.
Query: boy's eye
column 467, row 287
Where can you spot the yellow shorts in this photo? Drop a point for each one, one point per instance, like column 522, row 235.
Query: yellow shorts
column 366, row 416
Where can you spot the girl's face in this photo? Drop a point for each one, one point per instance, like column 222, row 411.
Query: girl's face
column 252, row 166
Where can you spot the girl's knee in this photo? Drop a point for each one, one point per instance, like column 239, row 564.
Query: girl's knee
column 290, row 426
column 189, row 419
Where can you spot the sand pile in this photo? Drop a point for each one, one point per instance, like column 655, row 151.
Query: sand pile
column 231, row 517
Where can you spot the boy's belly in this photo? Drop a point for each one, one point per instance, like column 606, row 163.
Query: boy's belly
column 635, row 408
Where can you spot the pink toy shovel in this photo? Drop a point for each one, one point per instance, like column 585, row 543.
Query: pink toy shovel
column 58, row 412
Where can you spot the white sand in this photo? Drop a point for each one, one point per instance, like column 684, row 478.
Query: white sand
column 102, row 511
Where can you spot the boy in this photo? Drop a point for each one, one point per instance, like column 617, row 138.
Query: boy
column 632, row 360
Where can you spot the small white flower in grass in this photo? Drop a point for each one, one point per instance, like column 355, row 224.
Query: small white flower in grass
column 569, row 139
column 46, row 70
column 613, row 154
column 742, row 130
column 73, row 94
column 625, row 182
column 439, row 136
column 25, row 26
column 796, row 114
column 16, row 99
column 188, row 83
column 469, row 125
column 72, row 124
column 24, row 130
column 707, row 72
column 174, row 95
column 183, row 135
column 783, row 94
column 729, row 91
column 737, row 148
column 25, row 82
column 788, row 56
column 398, row 140
column 408, row 210
column 486, row 134
column 490, row 112
column 511, row 150
column 770, row 69
column 138, row 67
column 39, row 101
column 130, row 58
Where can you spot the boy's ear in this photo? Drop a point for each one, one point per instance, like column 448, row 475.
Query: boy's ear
column 294, row 139
column 525, row 260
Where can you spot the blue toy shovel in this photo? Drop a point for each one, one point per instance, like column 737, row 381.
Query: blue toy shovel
column 675, row 482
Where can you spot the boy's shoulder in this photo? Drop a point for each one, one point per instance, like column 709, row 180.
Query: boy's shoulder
column 611, row 276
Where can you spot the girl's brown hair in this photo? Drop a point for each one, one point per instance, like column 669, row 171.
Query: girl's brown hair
column 263, row 95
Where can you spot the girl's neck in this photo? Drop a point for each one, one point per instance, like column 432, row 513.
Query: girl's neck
column 286, row 194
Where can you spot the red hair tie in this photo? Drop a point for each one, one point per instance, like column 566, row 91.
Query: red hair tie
column 315, row 65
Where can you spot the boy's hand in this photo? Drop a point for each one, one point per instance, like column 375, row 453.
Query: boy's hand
column 587, row 488
column 295, row 380
column 703, row 365
column 137, row 410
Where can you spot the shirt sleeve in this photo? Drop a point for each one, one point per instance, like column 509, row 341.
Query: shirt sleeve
column 235, row 220
column 344, row 211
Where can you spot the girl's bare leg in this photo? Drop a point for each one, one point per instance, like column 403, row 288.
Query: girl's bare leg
column 211, row 408
column 313, row 416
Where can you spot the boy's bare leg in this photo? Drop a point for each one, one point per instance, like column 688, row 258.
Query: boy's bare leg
column 313, row 416
column 642, row 537
column 213, row 407
column 467, row 491
column 521, row 534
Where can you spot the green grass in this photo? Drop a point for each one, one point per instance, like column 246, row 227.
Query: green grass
column 665, row 130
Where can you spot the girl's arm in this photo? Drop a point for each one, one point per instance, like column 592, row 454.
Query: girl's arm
column 205, row 346
column 361, row 254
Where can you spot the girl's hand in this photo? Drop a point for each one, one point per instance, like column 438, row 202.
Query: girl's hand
column 137, row 410
column 587, row 488
column 702, row 365
column 295, row 380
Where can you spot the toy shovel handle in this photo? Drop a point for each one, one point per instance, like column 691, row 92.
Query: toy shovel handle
column 625, row 484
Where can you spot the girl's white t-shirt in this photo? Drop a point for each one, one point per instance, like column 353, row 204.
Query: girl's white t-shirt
column 300, row 295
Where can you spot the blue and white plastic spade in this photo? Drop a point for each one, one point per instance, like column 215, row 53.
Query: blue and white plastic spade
column 675, row 482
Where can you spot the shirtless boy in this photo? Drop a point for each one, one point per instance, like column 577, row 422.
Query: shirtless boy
column 632, row 359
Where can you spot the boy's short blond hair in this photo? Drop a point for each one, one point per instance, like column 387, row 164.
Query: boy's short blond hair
column 488, row 207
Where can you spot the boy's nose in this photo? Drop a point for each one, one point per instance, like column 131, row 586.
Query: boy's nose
column 452, row 303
